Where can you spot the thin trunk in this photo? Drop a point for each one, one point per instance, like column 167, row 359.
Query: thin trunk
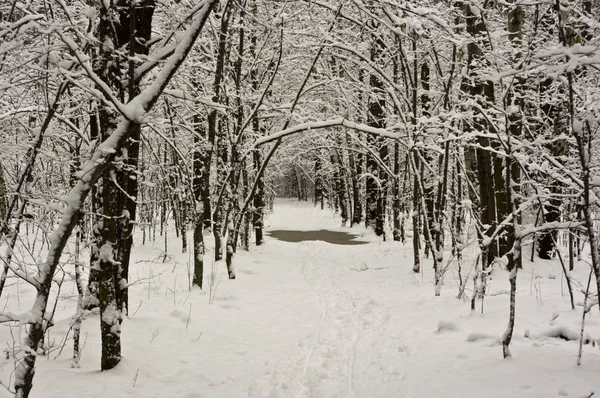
column 356, row 188
column 258, row 200
column 200, row 186
column 376, row 182
column 318, row 180
column 476, row 87
column 513, row 177
column 571, row 233
column 248, row 214
column 78, row 318
column 340, row 186
column 415, row 222
column 397, row 236
column 583, row 136
column 3, row 194
column 457, row 224
column 382, row 192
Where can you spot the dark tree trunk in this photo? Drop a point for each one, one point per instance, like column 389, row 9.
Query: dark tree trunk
column 479, row 88
column 396, row 201
column 556, row 120
column 118, row 190
column 376, row 190
column 415, row 223
column 215, row 127
column 96, row 205
column 340, row 186
column 426, row 175
column 354, row 188
column 318, row 181
column 248, row 215
column 259, row 199
column 513, row 175
column 502, row 207
column 374, row 183
column 382, row 194
column 357, row 212
column 110, row 271
column 200, row 187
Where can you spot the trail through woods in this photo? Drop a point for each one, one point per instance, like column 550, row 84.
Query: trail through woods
column 469, row 129
column 313, row 319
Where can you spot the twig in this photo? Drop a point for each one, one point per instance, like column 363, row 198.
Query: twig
column 135, row 378
column 187, row 323
column 138, row 308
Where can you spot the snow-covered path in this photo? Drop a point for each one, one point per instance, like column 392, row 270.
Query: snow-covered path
column 381, row 333
column 316, row 320
column 352, row 343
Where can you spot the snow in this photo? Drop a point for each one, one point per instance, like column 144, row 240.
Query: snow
column 112, row 316
column 106, row 253
column 313, row 319
column 446, row 326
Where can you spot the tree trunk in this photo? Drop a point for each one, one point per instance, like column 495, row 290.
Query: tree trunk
column 200, row 187
column 356, row 188
column 513, row 174
column 415, row 221
column 376, row 182
column 340, row 186
column 318, row 180
column 258, row 199
column 396, row 195
column 382, row 192
column 2, row 194
column 478, row 88
column 248, row 214
column 118, row 187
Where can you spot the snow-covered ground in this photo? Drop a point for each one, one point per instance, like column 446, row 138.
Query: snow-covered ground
column 313, row 319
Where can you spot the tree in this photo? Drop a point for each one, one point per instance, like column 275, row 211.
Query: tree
column 90, row 172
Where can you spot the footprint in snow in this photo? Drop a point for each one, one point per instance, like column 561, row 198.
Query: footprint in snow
column 178, row 314
column 446, row 326
column 229, row 307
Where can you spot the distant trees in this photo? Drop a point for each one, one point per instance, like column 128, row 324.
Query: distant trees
column 480, row 103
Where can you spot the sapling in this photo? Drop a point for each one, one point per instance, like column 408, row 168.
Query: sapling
column 587, row 306
column 213, row 283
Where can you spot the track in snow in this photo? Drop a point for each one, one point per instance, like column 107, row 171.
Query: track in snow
column 352, row 350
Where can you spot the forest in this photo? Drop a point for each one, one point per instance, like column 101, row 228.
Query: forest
column 141, row 140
